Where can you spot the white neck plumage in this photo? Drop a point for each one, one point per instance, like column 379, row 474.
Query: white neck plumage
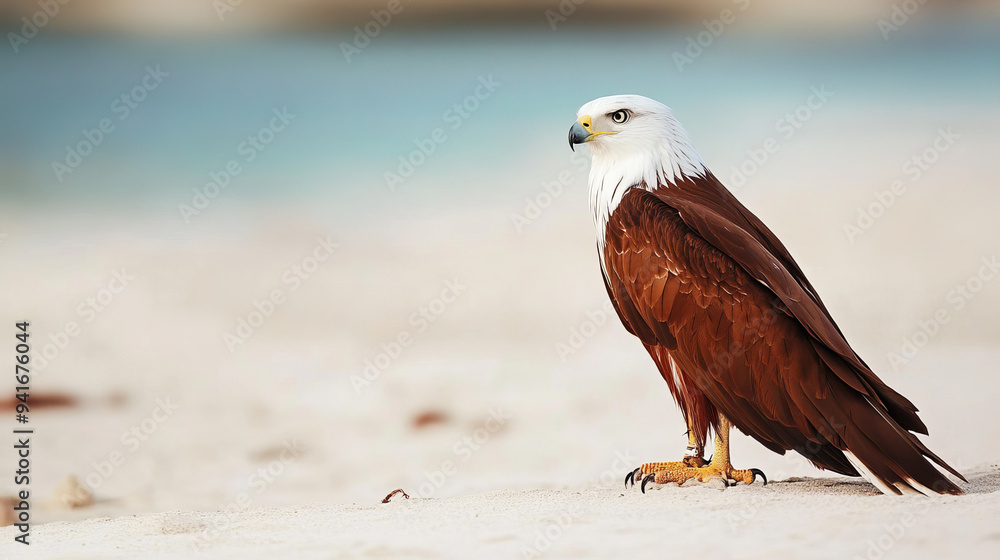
column 651, row 161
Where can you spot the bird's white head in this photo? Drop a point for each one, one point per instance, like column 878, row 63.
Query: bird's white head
column 636, row 143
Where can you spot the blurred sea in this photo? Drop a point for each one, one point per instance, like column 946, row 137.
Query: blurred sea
column 354, row 119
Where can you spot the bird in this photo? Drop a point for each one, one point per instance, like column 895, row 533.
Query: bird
column 734, row 327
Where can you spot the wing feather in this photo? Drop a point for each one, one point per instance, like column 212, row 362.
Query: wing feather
column 756, row 345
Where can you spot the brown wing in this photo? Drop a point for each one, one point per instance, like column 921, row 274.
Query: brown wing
column 709, row 209
column 736, row 337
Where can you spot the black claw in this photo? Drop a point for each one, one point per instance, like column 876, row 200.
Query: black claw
column 760, row 473
column 649, row 477
column 630, row 477
column 725, row 481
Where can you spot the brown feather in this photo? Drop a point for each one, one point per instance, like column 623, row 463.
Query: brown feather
column 699, row 279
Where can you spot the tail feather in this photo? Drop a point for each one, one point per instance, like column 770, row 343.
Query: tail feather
column 874, row 426
column 933, row 456
column 889, row 456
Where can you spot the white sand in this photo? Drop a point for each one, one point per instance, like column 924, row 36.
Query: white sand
column 570, row 431
column 794, row 518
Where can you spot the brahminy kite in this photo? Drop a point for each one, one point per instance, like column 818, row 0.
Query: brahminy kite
column 735, row 328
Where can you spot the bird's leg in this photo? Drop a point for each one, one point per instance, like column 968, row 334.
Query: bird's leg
column 720, row 458
column 719, row 467
column 694, row 456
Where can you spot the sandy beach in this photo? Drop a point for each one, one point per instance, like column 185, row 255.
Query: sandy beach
column 274, row 447
column 250, row 381
column 796, row 517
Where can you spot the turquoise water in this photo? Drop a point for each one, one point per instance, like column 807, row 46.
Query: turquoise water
column 352, row 121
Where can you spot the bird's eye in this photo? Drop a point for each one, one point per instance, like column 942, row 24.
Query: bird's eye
column 620, row 116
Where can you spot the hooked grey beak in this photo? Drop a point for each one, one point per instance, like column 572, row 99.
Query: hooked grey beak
column 577, row 135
